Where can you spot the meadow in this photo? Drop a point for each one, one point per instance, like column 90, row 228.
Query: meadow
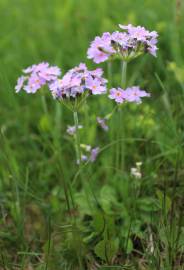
column 55, row 214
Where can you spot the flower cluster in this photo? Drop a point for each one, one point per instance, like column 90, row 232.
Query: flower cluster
column 71, row 130
column 37, row 76
column 136, row 172
column 76, row 81
column 79, row 82
column 125, row 45
column 89, row 153
column 131, row 94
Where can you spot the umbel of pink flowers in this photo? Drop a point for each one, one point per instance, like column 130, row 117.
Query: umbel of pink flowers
column 126, row 45
column 79, row 81
column 131, row 94
column 74, row 83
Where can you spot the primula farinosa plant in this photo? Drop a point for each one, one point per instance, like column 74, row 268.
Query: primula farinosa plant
column 75, row 87
column 125, row 45
column 71, row 90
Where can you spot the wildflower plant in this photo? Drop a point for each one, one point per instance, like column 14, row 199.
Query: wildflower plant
column 71, row 90
column 125, row 45
column 75, row 87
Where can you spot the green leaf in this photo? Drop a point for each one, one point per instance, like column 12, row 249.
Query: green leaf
column 129, row 246
column 44, row 123
column 107, row 198
column 90, row 238
column 83, row 204
column 148, row 204
column 164, row 201
column 98, row 221
column 107, row 249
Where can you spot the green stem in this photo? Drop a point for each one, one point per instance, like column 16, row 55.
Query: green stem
column 118, row 145
column 44, row 103
column 121, row 118
column 123, row 73
column 109, row 72
column 77, row 139
column 70, row 189
column 67, row 197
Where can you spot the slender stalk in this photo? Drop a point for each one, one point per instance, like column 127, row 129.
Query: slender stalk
column 77, row 139
column 123, row 73
column 109, row 73
column 113, row 132
column 118, row 137
column 57, row 145
column 75, row 231
column 78, row 157
column 44, row 103
column 121, row 120
column 67, row 197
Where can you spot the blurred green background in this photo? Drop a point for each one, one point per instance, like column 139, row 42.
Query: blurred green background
column 33, row 140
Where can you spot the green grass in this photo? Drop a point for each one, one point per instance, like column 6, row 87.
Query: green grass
column 114, row 220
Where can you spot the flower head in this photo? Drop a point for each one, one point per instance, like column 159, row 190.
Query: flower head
column 126, row 45
column 71, row 130
column 37, row 76
column 134, row 94
column 131, row 94
column 94, row 154
column 143, row 39
column 89, row 153
column 136, row 171
column 77, row 81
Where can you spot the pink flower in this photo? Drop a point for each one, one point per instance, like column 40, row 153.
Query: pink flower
column 129, row 43
column 121, row 38
column 134, row 94
column 88, row 153
column 97, row 55
column 50, row 73
column 117, row 95
column 95, row 86
column 20, row 83
column 37, row 76
column 34, row 83
column 138, row 33
column 36, row 68
column 131, row 94
column 77, row 81
column 71, row 130
column 94, row 153
column 101, row 48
